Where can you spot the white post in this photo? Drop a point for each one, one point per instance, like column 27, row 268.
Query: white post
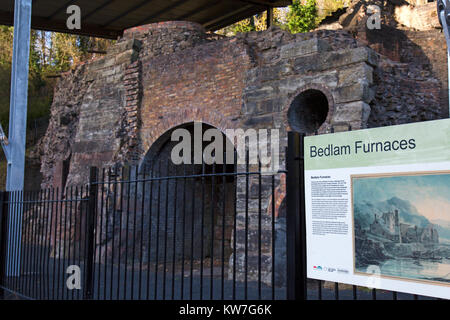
column 17, row 128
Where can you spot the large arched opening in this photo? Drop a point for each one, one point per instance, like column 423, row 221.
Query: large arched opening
column 190, row 206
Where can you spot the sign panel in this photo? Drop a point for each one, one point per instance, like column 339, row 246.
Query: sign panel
column 378, row 207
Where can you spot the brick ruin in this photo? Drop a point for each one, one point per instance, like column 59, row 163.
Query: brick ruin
column 121, row 108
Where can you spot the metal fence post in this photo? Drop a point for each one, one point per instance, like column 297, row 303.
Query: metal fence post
column 296, row 231
column 3, row 238
column 91, row 218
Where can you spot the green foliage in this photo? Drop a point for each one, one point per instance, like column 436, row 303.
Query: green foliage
column 302, row 17
column 244, row 26
column 50, row 54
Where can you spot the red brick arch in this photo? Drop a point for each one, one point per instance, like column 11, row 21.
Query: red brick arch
column 172, row 120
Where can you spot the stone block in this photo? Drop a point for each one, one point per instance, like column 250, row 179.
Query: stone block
column 353, row 92
column 124, row 57
column 289, row 85
column 302, row 48
column 335, row 59
column 260, row 93
column 354, row 112
column 131, row 44
column 276, row 71
column 346, row 57
column 354, row 74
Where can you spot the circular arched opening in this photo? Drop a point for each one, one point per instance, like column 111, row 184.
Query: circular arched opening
column 308, row 111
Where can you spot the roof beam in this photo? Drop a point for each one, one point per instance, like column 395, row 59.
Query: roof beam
column 62, row 8
column 168, row 8
column 235, row 18
column 258, row 2
column 134, row 8
column 102, row 6
column 230, row 14
column 199, row 9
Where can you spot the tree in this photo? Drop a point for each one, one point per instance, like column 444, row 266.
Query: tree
column 50, row 53
column 302, row 17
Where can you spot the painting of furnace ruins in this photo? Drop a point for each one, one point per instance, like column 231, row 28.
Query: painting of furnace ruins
column 402, row 226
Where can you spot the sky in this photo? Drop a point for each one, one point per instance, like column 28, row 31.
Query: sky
column 430, row 194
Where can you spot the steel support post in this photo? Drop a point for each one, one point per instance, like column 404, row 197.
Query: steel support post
column 18, row 123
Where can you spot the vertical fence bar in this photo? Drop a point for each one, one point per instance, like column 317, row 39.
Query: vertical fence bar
column 296, row 231
column 70, row 260
column 18, row 213
column 141, row 257
column 84, row 190
column 100, row 231
column 79, row 203
column 336, row 291
column 234, row 223
column 166, row 220
column 48, row 231
column 273, row 236
column 41, row 244
column 192, row 236
column 247, row 189
column 4, row 196
column 59, row 203
column 120, row 233
column 64, row 258
column 183, row 242
column 21, row 218
column 174, row 244
column 106, row 212
column 224, row 202
column 126, row 233
column 149, row 243
column 259, row 228
column 91, row 217
column 115, row 174
column 158, row 207
column 61, row 213
column 36, row 212
column 211, row 284
column 134, row 231
column 319, row 283
column 41, row 219
column 55, row 209
column 26, row 248
column 202, row 236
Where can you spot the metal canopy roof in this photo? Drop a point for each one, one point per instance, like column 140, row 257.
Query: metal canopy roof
column 108, row 18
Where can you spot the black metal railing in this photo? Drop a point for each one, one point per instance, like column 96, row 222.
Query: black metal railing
column 187, row 232
column 159, row 232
